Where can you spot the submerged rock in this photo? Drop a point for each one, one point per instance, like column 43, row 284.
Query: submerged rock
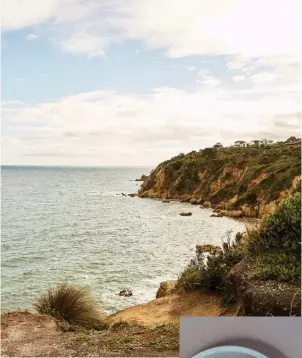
column 126, row 293
column 185, row 214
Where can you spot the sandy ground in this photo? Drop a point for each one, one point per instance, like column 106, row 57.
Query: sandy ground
column 145, row 330
column 167, row 310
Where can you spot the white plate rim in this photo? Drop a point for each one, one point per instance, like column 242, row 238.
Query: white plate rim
column 229, row 350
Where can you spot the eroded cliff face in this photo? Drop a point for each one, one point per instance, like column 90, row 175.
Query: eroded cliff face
column 242, row 182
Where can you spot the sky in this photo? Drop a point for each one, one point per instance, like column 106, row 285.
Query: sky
column 134, row 82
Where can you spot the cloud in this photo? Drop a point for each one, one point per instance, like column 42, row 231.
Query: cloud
column 84, row 43
column 112, row 128
column 21, row 14
column 238, row 78
column 263, row 77
column 12, row 103
column 190, row 68
column 180, row 29
column 18, row 79
column 207, row 81
column 31, row 37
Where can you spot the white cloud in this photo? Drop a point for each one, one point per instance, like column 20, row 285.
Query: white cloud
column 84, row 43
column 263, row 77
column 18, row 79
column 182, row 28
column 17, row 14
column 237, row 63
column 106, row 127
column 238, row 78
column 31, row 37
column 190, row 68
column 207, row 81
column 12, row 103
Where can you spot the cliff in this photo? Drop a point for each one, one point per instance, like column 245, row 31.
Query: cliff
column 242, row 182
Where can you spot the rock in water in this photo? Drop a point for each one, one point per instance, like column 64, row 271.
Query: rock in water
column 185, row 214
column 126, row 293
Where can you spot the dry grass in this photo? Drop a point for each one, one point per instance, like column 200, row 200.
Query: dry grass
column 30, row 335
column 72, row 304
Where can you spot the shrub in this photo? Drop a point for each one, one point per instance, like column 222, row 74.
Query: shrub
column 276, row 266
column 281, row 230
column 190, row 279
column 72, row 304
column 276, row 247
column 209, row 269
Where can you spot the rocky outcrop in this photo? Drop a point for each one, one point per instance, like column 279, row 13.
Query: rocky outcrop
column 142, row 178
column 244, row 182
column 219, row 215
column 166, row 288
column 262, row 298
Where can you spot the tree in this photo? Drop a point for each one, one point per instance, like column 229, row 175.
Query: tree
column 291, row 139
column 218, row 145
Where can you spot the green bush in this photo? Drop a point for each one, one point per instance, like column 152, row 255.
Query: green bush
column 72, row 304
column 276, row 247
column 209, row 269
column 277, row 266
column 281, row 230
column 190, row 279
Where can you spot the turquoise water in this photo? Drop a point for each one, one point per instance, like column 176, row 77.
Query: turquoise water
column 69, row 224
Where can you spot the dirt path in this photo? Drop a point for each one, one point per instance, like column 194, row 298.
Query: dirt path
column 146, row 330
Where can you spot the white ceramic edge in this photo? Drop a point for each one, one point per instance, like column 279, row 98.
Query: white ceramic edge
column 230, row 349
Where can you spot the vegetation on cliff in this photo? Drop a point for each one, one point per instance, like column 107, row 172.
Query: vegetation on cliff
column 72, row 305
column 273, row 253
column 249, row 181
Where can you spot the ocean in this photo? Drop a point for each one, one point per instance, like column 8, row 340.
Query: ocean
column 71, row 224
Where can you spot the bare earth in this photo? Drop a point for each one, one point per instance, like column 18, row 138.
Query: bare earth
column 148, row 330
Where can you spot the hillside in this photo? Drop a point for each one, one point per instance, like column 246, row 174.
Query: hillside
column 242, row 182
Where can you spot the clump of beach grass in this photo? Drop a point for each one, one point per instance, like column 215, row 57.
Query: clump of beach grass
column 72, row 304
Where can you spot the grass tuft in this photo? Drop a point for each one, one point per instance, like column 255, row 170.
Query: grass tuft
column 71, row 303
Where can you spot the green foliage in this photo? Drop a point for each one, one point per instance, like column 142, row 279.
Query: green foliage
column 209, row 152
column 277, row 266
column 291, row 139
column 264, row 172
column 281, row 230
column 274, row 250
column 72, row 304
column 208, row 271
column 277, row 245
column 190, row 279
